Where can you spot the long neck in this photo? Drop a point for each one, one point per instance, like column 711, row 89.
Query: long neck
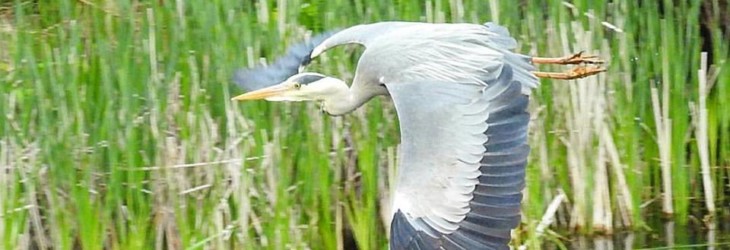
column 346, row 99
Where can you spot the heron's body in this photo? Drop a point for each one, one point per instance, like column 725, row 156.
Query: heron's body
column 461, row 96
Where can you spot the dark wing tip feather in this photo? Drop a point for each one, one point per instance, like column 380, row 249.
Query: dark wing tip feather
column 404, row 236
column 283, row 67
column 401, row 231
column 474, row 238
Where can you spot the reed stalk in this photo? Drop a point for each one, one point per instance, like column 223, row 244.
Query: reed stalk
column 702, row 137
column 664, row 141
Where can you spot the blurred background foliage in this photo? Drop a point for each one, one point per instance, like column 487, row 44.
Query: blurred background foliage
column 118, row 132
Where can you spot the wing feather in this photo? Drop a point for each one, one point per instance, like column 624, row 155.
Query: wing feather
column 287, row 65
column 428, row 154
column 461, row 101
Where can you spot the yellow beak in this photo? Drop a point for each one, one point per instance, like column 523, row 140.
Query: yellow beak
column 265, row 92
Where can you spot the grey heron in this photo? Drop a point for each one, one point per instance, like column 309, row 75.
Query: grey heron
column 461, row 96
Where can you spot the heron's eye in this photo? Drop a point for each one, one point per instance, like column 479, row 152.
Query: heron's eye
column 297, row 85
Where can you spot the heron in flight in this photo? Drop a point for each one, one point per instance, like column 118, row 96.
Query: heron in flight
column 461, row 95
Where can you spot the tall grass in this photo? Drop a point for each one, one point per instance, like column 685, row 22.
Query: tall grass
column 118, row 131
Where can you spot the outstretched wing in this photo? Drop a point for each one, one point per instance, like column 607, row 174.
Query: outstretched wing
column 363, row 34
column 285, row 66
column 462, row 162
column 301, row 54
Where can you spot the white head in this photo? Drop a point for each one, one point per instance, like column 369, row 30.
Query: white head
column 304, row 87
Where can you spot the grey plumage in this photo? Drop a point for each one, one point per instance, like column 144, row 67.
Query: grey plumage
column 495, row 207
column 298, row 55
column 461, row 96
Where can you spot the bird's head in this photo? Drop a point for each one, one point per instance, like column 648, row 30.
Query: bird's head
column 299, row 87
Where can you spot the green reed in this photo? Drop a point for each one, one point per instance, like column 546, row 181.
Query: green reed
column 118, row 132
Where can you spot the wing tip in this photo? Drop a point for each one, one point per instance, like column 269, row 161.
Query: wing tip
column 472, row 234
column 283, row 67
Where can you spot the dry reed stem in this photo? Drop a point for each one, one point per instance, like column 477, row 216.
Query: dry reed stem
column 38, row 233
column 584, row 120
column 711, row 234
column 702, row 138
column 664, row 139
column 603, row 216
column 574, row 139
column 385, row 187
column 669, row 232
column 337, row 138
column 625, row 203
column 548, row 217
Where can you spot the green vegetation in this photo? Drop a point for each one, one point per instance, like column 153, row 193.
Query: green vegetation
column 118, row 133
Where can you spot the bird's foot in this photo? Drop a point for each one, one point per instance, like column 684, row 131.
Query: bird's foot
column 577, row 58
column 575, row 73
